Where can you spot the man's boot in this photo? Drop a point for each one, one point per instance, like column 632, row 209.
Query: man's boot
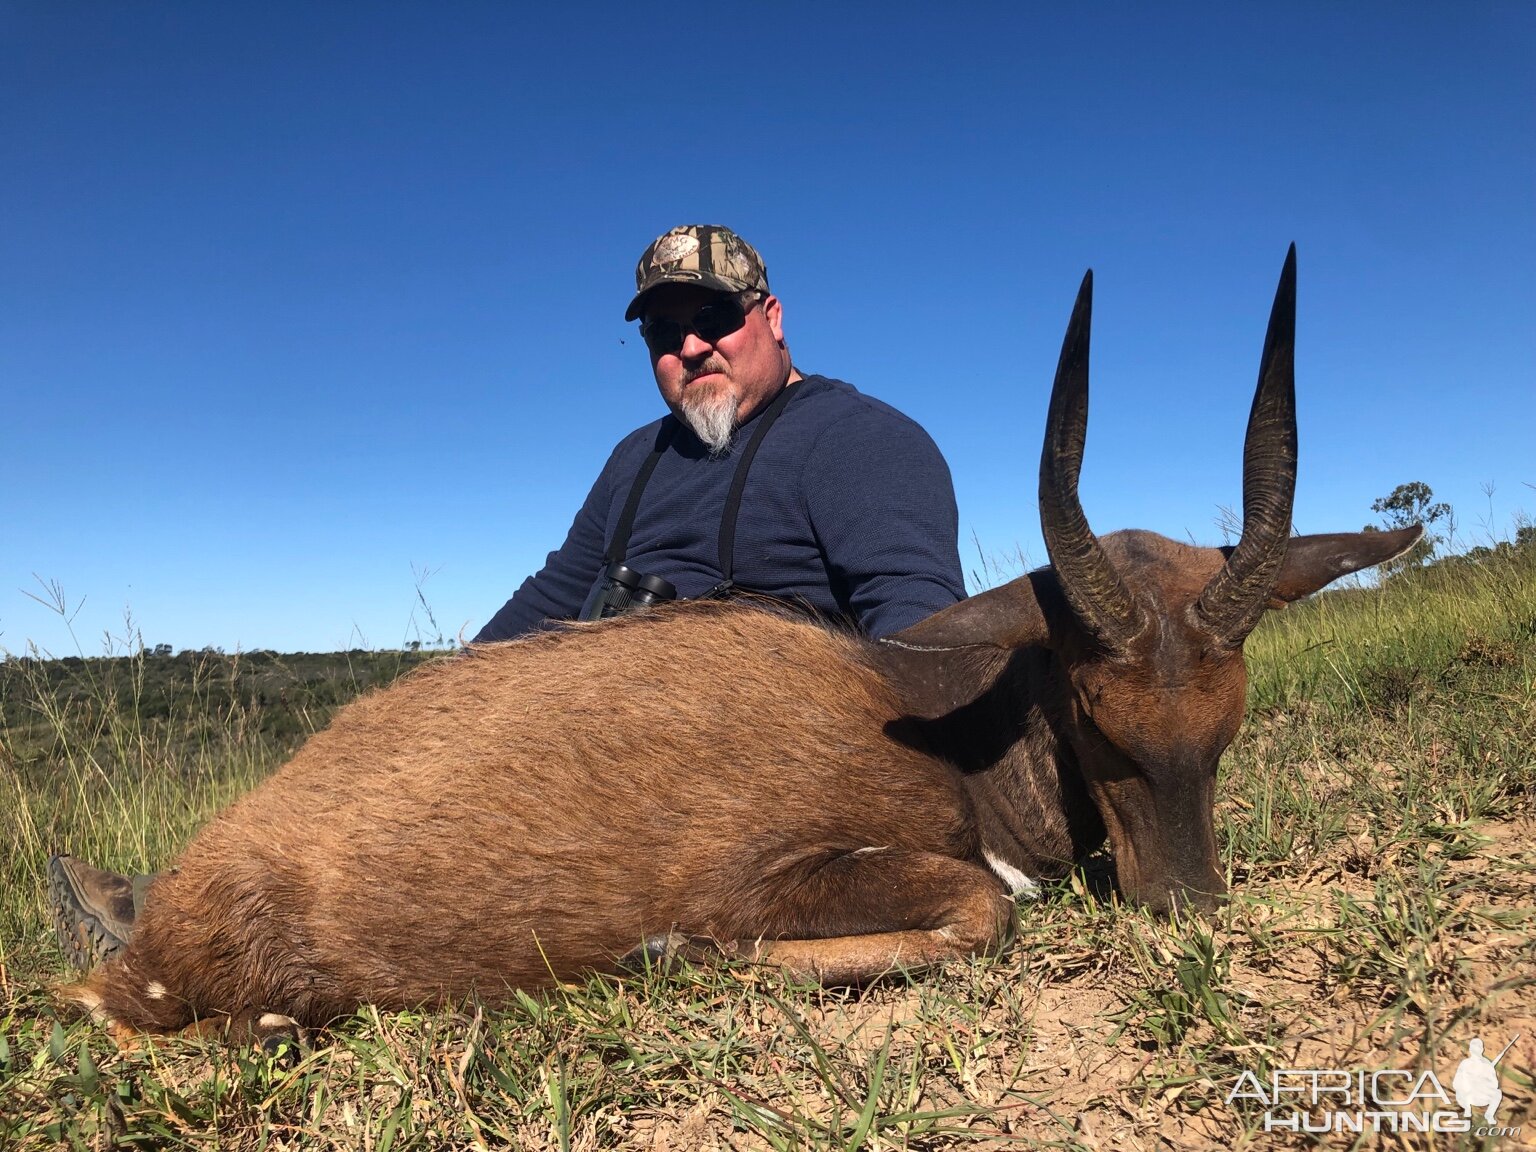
column 93, row 910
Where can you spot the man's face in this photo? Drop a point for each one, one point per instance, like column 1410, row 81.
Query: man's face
column 728, row 380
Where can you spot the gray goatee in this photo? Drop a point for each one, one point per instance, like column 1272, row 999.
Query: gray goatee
column 712, row 417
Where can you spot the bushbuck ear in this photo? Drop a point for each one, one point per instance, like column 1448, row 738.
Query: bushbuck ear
column 1005, row 617
column 1313, row 561
column 942, row 664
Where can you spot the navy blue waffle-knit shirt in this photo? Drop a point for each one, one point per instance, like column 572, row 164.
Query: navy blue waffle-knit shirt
column 848, row 510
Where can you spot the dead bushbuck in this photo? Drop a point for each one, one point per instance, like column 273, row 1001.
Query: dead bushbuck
column 714, row 777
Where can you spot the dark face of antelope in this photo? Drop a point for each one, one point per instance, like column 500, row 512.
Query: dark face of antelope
column 1151, row 637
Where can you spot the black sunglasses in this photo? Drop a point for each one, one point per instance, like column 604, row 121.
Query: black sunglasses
column 711, row 323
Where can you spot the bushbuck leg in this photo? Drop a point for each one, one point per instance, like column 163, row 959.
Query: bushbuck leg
column 854, row 916
column 266, row 1030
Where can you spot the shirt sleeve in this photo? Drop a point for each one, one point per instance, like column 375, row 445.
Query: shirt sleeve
column 882, row 504
column 558, row 590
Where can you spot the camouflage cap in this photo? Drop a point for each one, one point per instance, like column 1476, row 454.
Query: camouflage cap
column 707, row 255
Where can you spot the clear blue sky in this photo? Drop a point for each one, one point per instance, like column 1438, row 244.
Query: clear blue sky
column 298, row 298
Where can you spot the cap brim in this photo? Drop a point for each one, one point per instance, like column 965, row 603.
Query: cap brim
column 684, row 276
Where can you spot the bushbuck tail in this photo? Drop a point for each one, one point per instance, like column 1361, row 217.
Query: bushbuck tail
column 710, row 777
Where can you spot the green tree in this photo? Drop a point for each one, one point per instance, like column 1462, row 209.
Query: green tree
column 1406, row 505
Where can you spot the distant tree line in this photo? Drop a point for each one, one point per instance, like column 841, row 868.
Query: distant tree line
column 276, row 698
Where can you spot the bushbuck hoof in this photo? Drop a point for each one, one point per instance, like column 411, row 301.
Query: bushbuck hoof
column 281, row 1039
column 665, row 952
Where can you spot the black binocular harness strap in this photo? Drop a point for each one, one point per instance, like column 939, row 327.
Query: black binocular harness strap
column 619, row 545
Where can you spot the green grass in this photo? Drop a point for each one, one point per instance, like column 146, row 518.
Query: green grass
column 1377, row 820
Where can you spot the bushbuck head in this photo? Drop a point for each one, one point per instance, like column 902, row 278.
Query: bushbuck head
column 1146, row 634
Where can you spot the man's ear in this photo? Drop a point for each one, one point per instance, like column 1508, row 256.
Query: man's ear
column 1314, row 561
column 773, row 312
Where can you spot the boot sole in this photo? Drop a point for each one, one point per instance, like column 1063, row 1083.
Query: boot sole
column 83, row 937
